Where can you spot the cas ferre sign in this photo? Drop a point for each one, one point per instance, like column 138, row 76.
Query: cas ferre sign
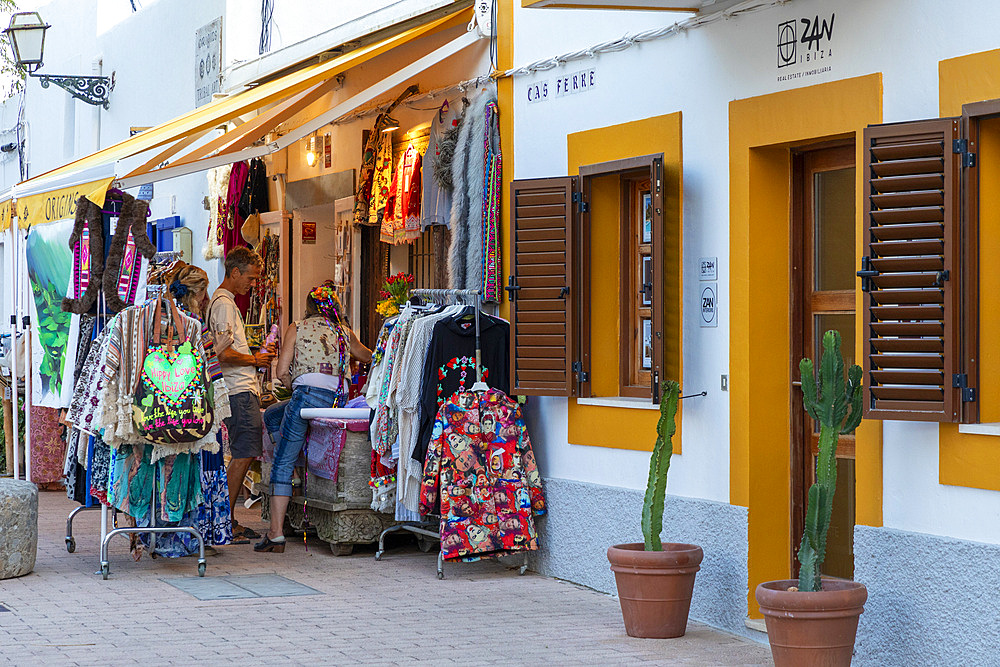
column 568, row 84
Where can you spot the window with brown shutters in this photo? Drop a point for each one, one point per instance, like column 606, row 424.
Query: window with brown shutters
column 911, row 272
column 542, row 311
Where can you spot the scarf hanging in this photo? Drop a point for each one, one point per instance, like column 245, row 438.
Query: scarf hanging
column 87, row 243
column 491, row 207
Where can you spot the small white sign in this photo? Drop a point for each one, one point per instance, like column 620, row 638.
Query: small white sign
column 709, row 306
column 207, row 62
column 708, row 268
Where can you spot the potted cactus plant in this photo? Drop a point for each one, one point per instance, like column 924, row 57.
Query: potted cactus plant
column 655, row 580
column 814, row 620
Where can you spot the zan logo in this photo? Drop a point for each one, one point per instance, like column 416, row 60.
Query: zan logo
column 815, row 39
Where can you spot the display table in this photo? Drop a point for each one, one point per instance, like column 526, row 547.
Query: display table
column 338, row 497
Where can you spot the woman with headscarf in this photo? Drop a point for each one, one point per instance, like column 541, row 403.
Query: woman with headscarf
column 315, row 362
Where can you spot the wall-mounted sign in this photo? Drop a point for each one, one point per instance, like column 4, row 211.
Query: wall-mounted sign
column 709, row 306
column 568, row 84
column 708, row 268
column 308, row 232
column 805, row 47
column 145, row 192
column 207, row 62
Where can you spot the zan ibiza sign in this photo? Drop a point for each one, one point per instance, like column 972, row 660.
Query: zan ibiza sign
column 567, row 84
column 805, row 47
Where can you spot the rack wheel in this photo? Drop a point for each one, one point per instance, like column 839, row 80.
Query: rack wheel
column 440, row 574
column 425, row 544
column 201, row 569
column 378, row 555
column 522, row 570
column 105, row 570
column 70, row 544
column 342, row 549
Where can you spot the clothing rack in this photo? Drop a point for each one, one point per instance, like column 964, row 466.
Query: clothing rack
column 429, row 528
column 478, row 294
column 152, row 530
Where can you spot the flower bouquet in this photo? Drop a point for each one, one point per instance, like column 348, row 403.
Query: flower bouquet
column 394, row 293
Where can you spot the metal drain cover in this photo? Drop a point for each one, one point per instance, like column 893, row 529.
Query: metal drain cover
column 240, row 586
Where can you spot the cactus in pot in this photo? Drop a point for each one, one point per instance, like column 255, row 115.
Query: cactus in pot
column 655, row 580
column 836, row 405
column 659, row 464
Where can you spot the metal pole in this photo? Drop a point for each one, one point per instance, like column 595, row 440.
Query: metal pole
column 14, row 234
column 28, row 368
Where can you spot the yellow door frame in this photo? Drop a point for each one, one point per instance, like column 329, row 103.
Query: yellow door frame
column 762, row 132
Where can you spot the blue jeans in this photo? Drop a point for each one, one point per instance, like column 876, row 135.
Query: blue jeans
column 288, row 430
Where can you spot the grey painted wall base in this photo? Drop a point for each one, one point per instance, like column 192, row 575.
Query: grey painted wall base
column 585, row 519
column 931, row 600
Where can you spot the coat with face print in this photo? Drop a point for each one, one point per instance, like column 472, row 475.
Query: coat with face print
column 481, row 465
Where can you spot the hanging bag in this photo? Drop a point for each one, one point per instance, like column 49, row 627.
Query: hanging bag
column 173, row 402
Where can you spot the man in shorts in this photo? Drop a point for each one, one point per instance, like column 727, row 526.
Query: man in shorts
column 239, row 369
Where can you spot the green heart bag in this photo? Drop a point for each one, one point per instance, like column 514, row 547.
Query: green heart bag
column 173, row 402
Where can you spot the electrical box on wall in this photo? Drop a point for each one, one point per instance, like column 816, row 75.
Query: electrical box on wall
column 182, row 243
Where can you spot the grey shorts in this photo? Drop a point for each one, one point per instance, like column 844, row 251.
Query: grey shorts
column 244, row 426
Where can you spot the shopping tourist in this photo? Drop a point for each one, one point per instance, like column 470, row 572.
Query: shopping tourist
column 315, row 362
column 239, row 368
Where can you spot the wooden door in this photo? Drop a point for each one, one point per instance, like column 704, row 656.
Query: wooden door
column 824, row 281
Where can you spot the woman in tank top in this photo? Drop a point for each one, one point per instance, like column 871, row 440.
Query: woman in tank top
column 315, row 362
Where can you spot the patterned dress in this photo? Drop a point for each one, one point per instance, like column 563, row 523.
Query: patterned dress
column 481, row 464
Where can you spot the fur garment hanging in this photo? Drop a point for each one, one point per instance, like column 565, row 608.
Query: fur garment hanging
column 133, row 218
column 87, row 213
column 465, row 256
column 446, row 151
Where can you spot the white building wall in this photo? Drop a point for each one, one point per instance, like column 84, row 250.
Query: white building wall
column 698, row 72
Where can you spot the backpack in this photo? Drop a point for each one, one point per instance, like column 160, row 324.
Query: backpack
column 173, row 402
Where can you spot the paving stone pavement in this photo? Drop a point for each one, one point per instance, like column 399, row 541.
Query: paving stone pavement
column 379, row 613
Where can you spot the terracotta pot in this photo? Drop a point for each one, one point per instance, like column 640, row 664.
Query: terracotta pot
column 812, row 628
column 654, row 587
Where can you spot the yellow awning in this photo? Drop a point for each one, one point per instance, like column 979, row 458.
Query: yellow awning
column 5, row 214
column 58, row 204
column 220, row 111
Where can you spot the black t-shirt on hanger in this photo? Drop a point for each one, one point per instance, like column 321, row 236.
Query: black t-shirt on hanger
column 451, row 366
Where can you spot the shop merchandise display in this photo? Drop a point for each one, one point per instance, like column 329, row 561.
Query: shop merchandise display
column 381, row 178
column 401, row 221
column 218, row 186
column 112, row 459
column 436, row 179
column 425, row 436
column 481, row 460
column 475, row 171
column 265, row 307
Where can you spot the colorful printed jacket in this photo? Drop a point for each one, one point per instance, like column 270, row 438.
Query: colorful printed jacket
column 480, row 457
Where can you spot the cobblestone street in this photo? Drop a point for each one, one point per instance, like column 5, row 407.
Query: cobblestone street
column 380, row 613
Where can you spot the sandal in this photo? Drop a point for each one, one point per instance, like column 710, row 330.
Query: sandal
column 241, row 532
column 268, row 545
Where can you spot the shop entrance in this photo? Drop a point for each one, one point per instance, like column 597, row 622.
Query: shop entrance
column 823, row 298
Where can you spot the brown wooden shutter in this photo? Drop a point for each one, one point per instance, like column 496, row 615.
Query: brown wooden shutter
column 542, row 311
column 659, row 276
column 911, row 270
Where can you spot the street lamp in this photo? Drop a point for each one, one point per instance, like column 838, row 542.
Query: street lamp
column 26, row 34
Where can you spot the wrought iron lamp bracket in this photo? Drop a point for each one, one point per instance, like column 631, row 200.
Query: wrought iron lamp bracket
column 91, row 89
